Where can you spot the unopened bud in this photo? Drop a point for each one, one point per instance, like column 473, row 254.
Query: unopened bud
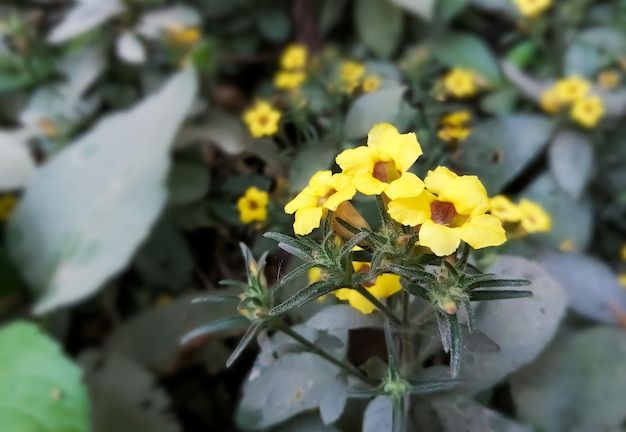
column 449, row 306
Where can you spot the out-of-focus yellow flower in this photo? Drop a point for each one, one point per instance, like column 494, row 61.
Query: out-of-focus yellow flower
column 371, row 83
column 453, row 133
column 534, row 217
column 622, row 279
column 588, row 111
column 451, row 209
column 532, row 8
column 289, row 79
column 550, row 101
column 460, row 83
column 458, row 118
column 383, row 286
column 572, row 89
column 350, row 74
column 382, row 165
column 7, row 204
column 504, row 209
column 294, row 57
column 608, row 79
column 567, row 245
column 183, row 36
column 48, row 127
column 262, row 119
column 253, row 205
column 315, row 274
column 325, row 191
column 622, row 253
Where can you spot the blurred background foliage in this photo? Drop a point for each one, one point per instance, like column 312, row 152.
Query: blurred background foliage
column 131, row 131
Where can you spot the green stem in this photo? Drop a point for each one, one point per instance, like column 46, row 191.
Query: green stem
column 405, row 308
column 384, row 309
column 349, row 368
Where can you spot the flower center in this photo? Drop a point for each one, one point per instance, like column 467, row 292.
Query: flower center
column 263, row 120
column 442, row 213
column 385, row 172
column 253, row 205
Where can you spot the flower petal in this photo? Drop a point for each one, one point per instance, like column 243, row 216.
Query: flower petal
column 360, row 303
column 385, row 285
column 408, row 185
column 368, row 185
column 441, row 239
column 307, row 219
column 409, row 211
column 468, row 195
column 356, row 160
column 404, row 150
column 439, row 179
column 483, row 231
column 300, row 201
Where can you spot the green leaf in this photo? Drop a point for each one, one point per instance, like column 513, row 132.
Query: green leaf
column 494, row 283
column 605, row 39
column 570, row 156
column 522, row 54
column 500, row 102
column 316, row 157
column 40, row 389
column 379, row 25
column 245, row 340
column 83, row 17
column 422, row 8
column 87, row 210
column 330, row 13
column 481, row 295
column 456, row 344
column 424, row 385
column 581, row 59
column 16, row 162
column 372, row 108
column 448, row 9
column 298, row 243
column 187, row 182
column 341, row 316
column 305, row 295
column 411, row 273
column 499, row 149
column 216, row 326
column 378, row 415
column 577, row 383
column 457, row 49
column 521, row 327
column 591, row 285
column 274, row 24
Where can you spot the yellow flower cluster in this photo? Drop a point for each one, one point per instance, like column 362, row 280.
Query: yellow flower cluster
column 262, row 119
column 608, row 79
column 460, row 83
column 444, row 209
column 370, row 83
column 7, row 204
column 453, row 126
column 253, row 205
column 382, row 286
column 293, row 62
column 530, row 216
column 587, row 110
column 532, row 8
column 350, row 75
column 183, row 36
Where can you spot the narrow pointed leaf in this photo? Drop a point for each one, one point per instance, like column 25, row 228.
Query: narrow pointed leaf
column 366, row 393
column 294, row 242
column 498, row 294
column 298, row 271
column 410, row 273
column 450, row 268
column 244, row 342
column 464, row 251
column 350, row 244
column 348, row 226
column 416, row 290
column 399, row 416
column 443, row 328
column 392, row 346
column 471, row 318
column 473, row 279
column 215, row 298
column 432, row 385
column 382, row 210
column 231, row 282
column 215, row 326
column 496, row 283
column 305, row 295
column 295, row 251
column 456, row 345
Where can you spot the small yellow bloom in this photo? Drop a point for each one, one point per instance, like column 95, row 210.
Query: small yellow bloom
column 588, row 111
column 7, row 205
column 567, row 245
column 550, row 101
column 262, row 119
column 458, row 118
column 325, row 191
column 572, row 89
column 315, row 275
column 608, row 79
column 453, row 133
column 460, row 82
column 622, row 279
column 350, row 74
column 371, row 83
column 383, row 286
column 532, row 8
column 382, row 165
column 184, row 36
column 622, row 253
column 451, row 209
column 534, row 217
column 289, row 79
column 294, row 57
column 253, row 205
column 502, row 208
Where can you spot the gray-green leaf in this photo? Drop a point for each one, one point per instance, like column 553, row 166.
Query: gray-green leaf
column 372, row 108
column 379, row 24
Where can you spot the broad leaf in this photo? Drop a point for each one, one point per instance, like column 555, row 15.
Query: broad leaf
column 423, row 8
column 571, row 160
column 85, row 16
column 40, row 389
column 379, row 25
column 130, row 49
column 16, row 162
column 372, row 108
column 317, row 157
column 378, row 415
column 87, row 210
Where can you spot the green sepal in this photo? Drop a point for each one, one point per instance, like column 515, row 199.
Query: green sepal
column 305, row 295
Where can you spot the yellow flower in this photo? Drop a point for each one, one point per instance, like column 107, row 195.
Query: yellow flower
column 262, row 119
column 550, row 101
column 7, row 204
column 325, row 191
column 534, row 217
column 532, row 8
column 453, row 133
column 184, row 36
column 458, row 118
column 451, row 209
column 572, row 89
column 371, row 83
column 315, row 274
column 289, row 79
column 294, row 57
column 567, row 245
column 502, row 208
column 622, row 253
column 382, row 165
column 588, row 111
column 253, row 205
column 608, row 79
column 350, row 74
column 622, row 279
column 383, row 286
column 460, row 82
